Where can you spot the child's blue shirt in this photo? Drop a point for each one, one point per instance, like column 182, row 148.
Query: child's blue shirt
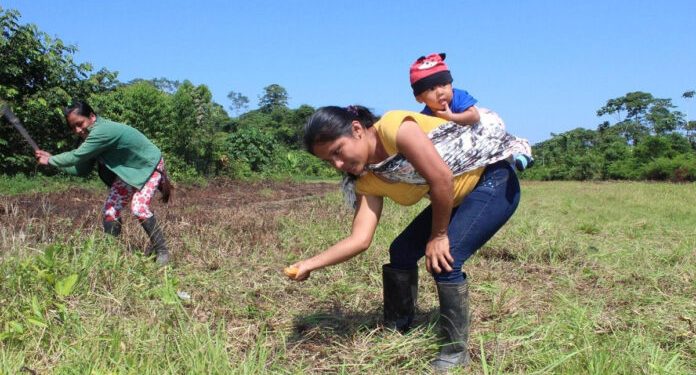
column 461, row 101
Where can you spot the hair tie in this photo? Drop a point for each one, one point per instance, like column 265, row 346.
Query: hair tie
column 353, row 110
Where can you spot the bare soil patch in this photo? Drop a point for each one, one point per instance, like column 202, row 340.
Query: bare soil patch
column 41, row 217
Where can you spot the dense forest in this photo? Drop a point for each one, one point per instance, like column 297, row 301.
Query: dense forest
column 39, row 76
column 650, row 139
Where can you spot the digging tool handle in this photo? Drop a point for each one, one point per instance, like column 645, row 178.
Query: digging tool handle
column 7, row 113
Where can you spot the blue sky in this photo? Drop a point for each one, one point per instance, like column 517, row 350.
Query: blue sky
column 544, row 66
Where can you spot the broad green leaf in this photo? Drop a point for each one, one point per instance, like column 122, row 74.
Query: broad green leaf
column 64, row 286
column 36, row 308
column 37, row 322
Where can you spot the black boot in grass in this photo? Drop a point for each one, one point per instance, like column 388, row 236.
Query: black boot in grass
column 400, row 295
column 112, row 227
column 157, row 244
column 454, row 326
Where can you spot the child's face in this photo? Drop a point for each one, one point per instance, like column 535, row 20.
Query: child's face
column 436, row 98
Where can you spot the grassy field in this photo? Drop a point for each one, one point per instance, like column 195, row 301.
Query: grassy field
column 587, row 278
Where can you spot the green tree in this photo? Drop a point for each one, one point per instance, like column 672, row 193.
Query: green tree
column 663, row 118
column 690, row 125
column 38, row 76
column 614, row 151
column 239, row 102
column 297, row 122
column 140, row 104
column 644, row 114
column 196, row 120
column 163, row 84
column 645, row 142
column 634, row 104
column 274, row 97
column 185, row 125
column 253, row 148
column 282, row 124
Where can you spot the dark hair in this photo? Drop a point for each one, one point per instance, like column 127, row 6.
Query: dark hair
column 80, row 107
column 330, row 123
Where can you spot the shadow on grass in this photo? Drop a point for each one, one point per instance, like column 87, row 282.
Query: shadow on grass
column 336, row 322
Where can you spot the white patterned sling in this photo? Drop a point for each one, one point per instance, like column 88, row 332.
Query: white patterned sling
column 462, row 147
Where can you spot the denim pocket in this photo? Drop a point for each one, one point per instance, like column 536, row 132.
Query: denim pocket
column 495, row 175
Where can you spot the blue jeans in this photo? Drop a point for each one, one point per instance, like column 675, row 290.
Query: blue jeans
column 485, row 210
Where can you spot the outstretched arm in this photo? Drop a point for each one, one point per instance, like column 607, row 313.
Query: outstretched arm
column 80, row 168
column 95, row 144
column 364, row 225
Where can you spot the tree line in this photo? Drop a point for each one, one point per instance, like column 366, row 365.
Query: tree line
column 650, row 140
column 39, row 76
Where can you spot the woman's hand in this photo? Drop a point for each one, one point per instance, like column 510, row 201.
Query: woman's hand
column 42, row 156
column 437, row 255
column 300, row 270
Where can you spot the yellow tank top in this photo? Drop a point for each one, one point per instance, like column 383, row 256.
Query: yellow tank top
column 403, row 193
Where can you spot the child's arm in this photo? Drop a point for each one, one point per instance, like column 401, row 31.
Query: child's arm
column 470, row 116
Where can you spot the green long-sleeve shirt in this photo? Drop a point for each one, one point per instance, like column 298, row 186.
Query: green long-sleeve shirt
column 123, row 150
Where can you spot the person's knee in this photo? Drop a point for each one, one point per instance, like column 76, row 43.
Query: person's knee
column 402, row 258
column 399, row 242
column 454, row 277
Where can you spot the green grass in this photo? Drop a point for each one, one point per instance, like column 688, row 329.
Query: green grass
column 21, row 184
column 587, row 278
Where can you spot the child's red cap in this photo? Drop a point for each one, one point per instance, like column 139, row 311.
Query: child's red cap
column 428, row 72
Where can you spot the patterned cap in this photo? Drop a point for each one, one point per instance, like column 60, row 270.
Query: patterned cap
column 428, row 72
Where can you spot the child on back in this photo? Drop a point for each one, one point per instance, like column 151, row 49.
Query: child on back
column 431, row 82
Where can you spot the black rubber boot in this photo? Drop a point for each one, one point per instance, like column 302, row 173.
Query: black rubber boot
column 400, row 295
column 454, row 326
column 112, row 227
column 157, row 243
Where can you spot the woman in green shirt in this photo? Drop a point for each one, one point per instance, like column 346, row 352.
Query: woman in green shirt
column 129, row 163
